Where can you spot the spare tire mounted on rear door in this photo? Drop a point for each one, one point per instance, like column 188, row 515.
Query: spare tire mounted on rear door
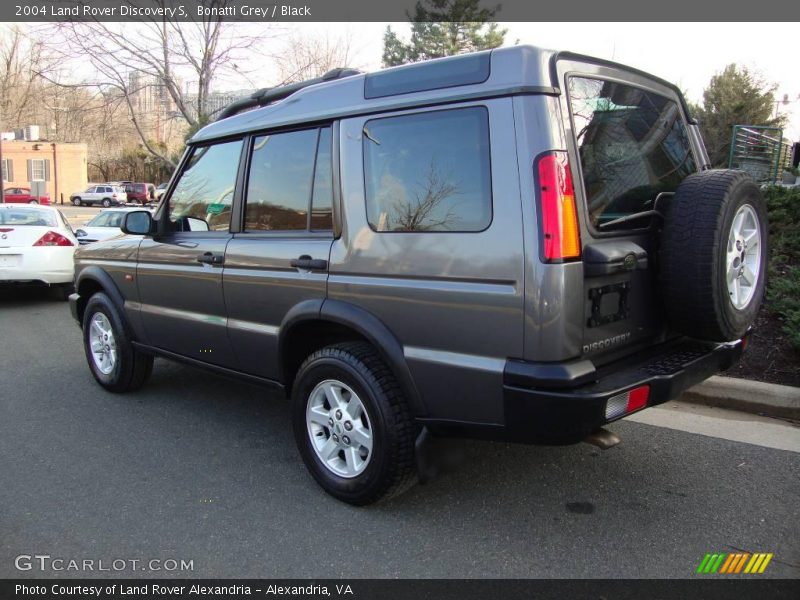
column 713, row 255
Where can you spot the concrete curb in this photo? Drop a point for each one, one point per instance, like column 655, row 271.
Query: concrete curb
column 748, row 396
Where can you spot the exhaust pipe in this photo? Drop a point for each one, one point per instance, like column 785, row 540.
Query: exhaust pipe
column 603, row 439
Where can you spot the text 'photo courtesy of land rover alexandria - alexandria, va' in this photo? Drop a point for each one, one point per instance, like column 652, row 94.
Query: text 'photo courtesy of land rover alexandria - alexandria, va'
column 518, row 245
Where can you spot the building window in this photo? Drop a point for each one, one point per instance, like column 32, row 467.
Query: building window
column 8, row 169
column 37, row 169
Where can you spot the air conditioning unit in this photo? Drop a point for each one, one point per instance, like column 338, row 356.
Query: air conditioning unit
column 32, row 133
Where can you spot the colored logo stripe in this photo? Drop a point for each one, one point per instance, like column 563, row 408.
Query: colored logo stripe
column 734, row 563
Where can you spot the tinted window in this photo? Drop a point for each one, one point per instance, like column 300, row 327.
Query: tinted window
column 205, row 188
column 633, row 145
column 283, row 178
column 322, row 203
column 428, row 171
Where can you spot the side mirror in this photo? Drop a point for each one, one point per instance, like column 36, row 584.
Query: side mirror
column 137, row 222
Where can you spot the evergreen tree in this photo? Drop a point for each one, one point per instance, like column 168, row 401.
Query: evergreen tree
column 734, row 97
column 443, row 28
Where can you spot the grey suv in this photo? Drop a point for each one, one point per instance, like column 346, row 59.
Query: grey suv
column 518, row 244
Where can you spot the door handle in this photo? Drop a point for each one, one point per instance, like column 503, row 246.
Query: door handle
column 312, row 264
column 209, row 258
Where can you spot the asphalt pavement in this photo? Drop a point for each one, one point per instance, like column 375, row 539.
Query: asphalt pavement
column 199, row 468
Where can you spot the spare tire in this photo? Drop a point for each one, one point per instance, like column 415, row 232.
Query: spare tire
column 713, row 255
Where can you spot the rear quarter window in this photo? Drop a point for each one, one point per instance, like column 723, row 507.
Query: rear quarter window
column 632, row 144
column 428, row 172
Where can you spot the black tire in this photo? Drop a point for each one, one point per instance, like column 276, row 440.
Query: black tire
column 693, row 255
column 33, row 202
column 106, row 202
column 391, row 468
column 76, row 201
column 132, row 368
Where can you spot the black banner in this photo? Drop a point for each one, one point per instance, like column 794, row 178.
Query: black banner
column 392, row 10
column 439, row 589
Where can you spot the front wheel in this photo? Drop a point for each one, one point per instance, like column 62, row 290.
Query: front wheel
column 76, row 201
column 33, row 202
column 114, row 362
column 352, row 425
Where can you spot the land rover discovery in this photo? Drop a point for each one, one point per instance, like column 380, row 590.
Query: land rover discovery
column 517, row 244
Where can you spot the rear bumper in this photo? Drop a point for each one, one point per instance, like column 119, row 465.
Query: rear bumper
column 547, row 412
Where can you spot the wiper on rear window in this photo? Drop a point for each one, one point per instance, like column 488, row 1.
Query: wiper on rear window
column 641, row 214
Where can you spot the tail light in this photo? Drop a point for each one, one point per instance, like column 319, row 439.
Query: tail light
column 51, row 238
column 114, row 196
column 627, row 402
column 559, row 216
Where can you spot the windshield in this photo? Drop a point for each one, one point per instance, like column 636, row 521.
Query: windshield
column 107, row 219
column 21, row 217
column 633, row 146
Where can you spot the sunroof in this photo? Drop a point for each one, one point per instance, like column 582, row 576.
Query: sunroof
column 461, row 70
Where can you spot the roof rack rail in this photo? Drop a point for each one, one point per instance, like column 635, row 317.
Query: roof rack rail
column 266, row 96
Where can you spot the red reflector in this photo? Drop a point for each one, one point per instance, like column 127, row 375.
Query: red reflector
column 51, row 238
column 745, row 339
column 637, row 398
column 559, row 214
column 6, row 229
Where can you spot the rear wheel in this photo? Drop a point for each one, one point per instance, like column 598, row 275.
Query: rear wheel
column 76, row 201
column 33, row 202
column 114, row 362
column 351, row 424
column 714, row 255
column 106, row 202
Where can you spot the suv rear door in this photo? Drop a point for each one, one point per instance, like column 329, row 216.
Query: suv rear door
column 279, row 256
column 629, row 149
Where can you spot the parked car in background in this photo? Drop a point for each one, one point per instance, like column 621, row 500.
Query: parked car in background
column 22, row 195
column 160, row 190
column 103, row 226
column 104, row 194
column 36, row 246
column 141, row 193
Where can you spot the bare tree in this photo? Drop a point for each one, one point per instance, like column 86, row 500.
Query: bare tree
column 169, row 64
column 427, row 211
column 306, row 57
column 21, row 59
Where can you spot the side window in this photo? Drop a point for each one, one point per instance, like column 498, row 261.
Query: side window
column 429, row 171
column 632, row 144
column 205, row 188
column 288, row 171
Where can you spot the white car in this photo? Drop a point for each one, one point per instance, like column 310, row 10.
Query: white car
column 103, row 226
column 105, row 194
column 36, row 246
column 160, row 190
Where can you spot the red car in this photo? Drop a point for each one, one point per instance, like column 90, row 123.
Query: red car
column 21, row 195
column 141, row 193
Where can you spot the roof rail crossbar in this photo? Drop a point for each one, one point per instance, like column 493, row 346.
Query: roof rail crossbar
column 266, row 96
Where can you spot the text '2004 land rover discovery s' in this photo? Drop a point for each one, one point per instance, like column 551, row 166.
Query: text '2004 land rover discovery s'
column 517, row 244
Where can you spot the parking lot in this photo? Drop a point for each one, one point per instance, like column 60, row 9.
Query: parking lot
column 199, row 468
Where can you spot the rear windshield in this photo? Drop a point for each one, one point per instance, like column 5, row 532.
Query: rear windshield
column 632, row 144
column 21, row 217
